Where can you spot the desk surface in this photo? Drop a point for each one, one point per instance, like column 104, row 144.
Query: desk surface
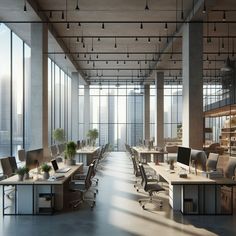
column 87, row 150
column 174, row 179
column 141, row 150
column 14, row 179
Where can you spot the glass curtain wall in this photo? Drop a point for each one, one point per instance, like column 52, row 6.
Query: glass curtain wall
column 117, row 113
column 14, row 78
column 59, row 99
column 15, row 58
column 172, row 111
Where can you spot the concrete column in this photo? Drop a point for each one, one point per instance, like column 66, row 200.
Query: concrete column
column 193, row 85
column 146, row 112
column 86, row 110
column 39, row 87
column 159, row 81
column 75, row 105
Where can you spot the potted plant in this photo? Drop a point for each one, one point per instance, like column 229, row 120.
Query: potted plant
column 20, row 171
column 26, row 174
column 59, row 135
column 46, row 168
column 70, row 152
column 92, row 135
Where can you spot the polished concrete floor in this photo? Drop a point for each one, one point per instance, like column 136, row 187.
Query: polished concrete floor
column 118, row 212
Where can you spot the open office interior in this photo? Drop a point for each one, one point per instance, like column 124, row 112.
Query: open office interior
column 149, row 76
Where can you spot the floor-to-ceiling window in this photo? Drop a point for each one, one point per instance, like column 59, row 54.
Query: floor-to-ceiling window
column 5, row 90
column 117, row 113
column 172, row 111
column 15, row 58
column 59, row 100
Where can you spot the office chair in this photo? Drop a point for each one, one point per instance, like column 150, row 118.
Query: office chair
column 136, row 173
column 82, row 176
column 21, row 155
column 150, row 188
column 9, row 168
column 212, row 160
column 83, row 187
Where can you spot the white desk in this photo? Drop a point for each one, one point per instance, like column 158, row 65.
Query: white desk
column 27, row 191
column 86, row 155
column 144, row 154
column 196, row 191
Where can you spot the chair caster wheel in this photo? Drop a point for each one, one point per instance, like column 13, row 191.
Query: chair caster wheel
column 137, row 190
column 134, row 186
column 96, row 190
column 143, row 207
column 140, row 202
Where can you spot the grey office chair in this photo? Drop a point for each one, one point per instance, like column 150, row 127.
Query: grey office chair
column 212, row 161
column 9, row 168
column 229, row 171
column 136, row 173
column 83, row 187
column 21, row 155
column 150, row 188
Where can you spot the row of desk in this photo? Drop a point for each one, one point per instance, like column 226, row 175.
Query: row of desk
column 195, row 194
column 29, row 194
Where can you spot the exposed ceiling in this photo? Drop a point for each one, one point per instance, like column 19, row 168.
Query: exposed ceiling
column 134, row 42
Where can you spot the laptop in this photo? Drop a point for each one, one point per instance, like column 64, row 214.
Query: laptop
column 56, row 168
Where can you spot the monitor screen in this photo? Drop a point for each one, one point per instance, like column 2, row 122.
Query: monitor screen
column 34, row 158
column 183, row 156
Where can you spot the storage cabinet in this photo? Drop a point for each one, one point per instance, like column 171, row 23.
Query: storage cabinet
column 228, row 140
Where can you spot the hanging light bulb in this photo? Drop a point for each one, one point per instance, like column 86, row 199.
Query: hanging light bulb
column 68, row 26
column 65, row 57
column 62, row 15
column 103, row 26
column 77, row 40
column 141, row 25
column 77, row 6
column 166, row 26
column 50, row 14
column 223, row 44
column 25, row 8
column 78, row 55
column 79, row 24
column 97, row 56
column 204, row 8
column 99, row 39
column 224, row 16
column 136, row 39
column 214, row 27
column 149, row 40
column 115, row 46
column 146, row 7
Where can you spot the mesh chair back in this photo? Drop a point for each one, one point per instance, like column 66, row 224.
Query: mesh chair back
column 144, row 176
column 13, row 164
column 6, row 167
column 136, row 172
column 88, row 181
column 230, row 168
column 21, row 155
column 212, row 161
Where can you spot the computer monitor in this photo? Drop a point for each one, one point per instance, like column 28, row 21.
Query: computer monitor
column 34, row 158
column 183, row 157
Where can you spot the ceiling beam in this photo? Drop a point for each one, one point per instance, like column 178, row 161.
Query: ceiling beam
column 54, row 32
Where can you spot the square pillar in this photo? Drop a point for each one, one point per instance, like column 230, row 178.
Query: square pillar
column 74, row 105
column 159, row 82
column 146, row 112
column 86, row 110
column 39, row 87
column 192, row 85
